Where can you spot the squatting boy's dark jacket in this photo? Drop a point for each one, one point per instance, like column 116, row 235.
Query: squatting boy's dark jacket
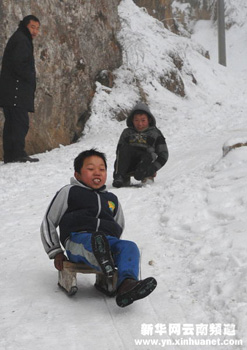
column 151, row 139
column 18, row 77
column 78, row 208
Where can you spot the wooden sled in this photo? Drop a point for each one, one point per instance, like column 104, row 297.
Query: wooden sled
column 67, row 278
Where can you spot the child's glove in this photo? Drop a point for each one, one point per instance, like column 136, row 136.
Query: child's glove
column 58, row 261
column 151, row 170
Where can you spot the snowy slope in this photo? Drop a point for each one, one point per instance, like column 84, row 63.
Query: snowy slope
column 190, row 225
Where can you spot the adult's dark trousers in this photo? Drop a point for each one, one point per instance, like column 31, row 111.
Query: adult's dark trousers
column 15, row 129
column 132, row 160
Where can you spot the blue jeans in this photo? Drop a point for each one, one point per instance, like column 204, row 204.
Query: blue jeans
column 125, row 254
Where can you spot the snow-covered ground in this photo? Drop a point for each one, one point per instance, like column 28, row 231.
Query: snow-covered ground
column 190, row 225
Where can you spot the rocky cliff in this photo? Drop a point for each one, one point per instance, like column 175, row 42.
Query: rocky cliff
column 77, row 42
column 178, row 16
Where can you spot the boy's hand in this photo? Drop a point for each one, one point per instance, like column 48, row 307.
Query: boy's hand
column 58, row 261
column 151, row 170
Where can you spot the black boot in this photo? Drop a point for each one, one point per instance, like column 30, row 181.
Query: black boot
column 131, row 290
column 102, row 253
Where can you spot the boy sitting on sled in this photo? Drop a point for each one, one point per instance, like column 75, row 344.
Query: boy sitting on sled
column 91, row 222
column 141, row 149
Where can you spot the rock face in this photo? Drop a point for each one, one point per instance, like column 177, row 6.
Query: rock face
column 178, row 15
column 77, row 42
column 160, row 9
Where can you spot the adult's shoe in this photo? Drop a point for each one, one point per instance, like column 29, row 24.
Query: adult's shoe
column 131, row 290
column 6, row 161
column 25, row 159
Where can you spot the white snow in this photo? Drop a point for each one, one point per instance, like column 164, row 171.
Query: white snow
column 190, row 225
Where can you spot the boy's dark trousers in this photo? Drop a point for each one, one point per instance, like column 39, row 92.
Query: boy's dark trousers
column 14, row 132
column 132, row 160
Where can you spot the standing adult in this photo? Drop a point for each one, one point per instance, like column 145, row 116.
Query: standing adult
column 17, row 88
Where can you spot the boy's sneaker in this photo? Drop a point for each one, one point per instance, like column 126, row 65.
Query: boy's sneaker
column 102, row 253
column 121, row 181
column 118, row 181
column 131, row 290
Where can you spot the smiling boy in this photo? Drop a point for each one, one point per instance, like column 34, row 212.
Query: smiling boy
column 91, row 221
column 141, row 149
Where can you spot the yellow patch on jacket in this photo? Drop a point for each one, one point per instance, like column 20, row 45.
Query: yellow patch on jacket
column 111, row 205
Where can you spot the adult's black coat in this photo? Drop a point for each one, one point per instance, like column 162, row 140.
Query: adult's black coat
column 18, row 77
